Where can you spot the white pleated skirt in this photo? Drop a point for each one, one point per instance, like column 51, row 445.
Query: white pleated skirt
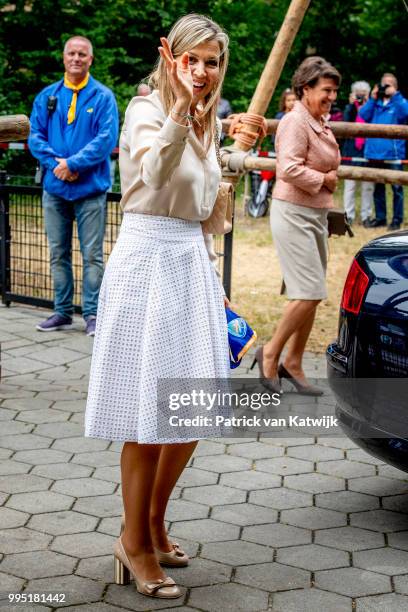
column 160, row 316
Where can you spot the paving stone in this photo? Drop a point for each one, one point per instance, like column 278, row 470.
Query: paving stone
column 7, row 415
column 382, row 560
column 11, row 467
column 90, row 544
column 39, row 564
column 401, row 584
column 236, row 553
column 226, row 463
column 399, row 503
column 99, row 606
column 41, row 456
column 255, row 450
column 244, row 514
column 39, row 501
column 285, row 441
column 379, row 520
column 228, row 597
column 207, row 447
column 378, row 485
column 314, row 518
column 110, row 525
column 23, row 483
column 9, row 584
column 349, row 538
column 83, row 487
column 382, row 603
column 313, row 557
column 5, row 453
column 111, row 473
column 194, row 477
column 55, row 356
column 315, row 483
column 214, row 495
column 183, row 510
column 127, row 597
column 22, row 540
column 77, row 589
column 337, row 442
column 314, row 452
column 358, row 454
column 202, row 572
column 307, row 600
column 101, row 505
column 398, row 540
column 272, row 576
column 345, row 468
column 62, row 397
column 284, row 465
column 12, row 518
column 63, row 522
column 392, row 472
column 22, row 365
column 347, row 501
column 250, row 480
column 208, row 530
column 97, row 568
column 56, row 471
column 59, row 430
column 23, row 441
column 44, row 415
column 352, row 581
column 276, row 535
column 97, row 459
column 8, row 391
column 80, row 444
column 280, row 499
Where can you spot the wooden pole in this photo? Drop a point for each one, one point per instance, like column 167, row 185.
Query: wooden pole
column 343, row 129
column 276, row 61
column 14, row 127
column 375, row 175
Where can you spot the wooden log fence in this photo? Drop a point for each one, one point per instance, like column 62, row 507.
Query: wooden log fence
column 14, row 127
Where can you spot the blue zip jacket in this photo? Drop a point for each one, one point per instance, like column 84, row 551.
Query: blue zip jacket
column 395, row 112
column 86, row 143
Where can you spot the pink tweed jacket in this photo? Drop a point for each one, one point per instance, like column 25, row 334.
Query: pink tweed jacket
column 305, row 150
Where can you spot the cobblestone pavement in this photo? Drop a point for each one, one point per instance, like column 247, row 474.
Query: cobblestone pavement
column 282, row 524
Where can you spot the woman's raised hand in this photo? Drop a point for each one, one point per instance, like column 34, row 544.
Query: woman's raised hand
column 180, row 77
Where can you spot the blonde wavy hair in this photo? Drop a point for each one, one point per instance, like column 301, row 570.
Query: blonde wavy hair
column 186, row 34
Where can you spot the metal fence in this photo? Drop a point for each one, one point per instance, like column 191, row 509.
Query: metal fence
column 24, row 257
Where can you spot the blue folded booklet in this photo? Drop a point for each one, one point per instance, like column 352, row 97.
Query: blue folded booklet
column 240, row 337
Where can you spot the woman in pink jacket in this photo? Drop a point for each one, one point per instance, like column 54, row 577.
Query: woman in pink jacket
column 307, row 159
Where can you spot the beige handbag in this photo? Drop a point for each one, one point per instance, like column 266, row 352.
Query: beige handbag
column 220, row 220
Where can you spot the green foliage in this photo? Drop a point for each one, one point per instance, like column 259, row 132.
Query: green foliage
column 362, row 38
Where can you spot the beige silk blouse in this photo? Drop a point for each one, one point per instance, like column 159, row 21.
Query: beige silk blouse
column 164, row 168
column 305, row 150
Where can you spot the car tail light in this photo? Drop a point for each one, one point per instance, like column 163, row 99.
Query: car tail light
column 354, row 289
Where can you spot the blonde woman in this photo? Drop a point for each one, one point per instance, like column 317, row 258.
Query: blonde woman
column 161, row 307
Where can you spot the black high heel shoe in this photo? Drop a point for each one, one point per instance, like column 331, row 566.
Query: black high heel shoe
column 300, row 387
column 272, row 384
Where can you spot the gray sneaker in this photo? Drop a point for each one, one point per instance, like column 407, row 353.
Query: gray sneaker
column 54, row 323
column 90, row 325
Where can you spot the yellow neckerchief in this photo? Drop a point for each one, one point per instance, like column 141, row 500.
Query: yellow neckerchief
column 75, row 89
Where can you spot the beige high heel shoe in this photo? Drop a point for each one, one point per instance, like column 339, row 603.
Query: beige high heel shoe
column 164, row 588
column 175, row 558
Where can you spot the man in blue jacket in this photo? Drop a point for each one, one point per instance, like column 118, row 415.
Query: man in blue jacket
column 74, row 127
column 386, row 106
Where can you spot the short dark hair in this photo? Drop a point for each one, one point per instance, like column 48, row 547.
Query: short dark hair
column 310, row 71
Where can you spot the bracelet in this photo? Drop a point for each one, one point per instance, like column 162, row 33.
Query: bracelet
column 184, row 115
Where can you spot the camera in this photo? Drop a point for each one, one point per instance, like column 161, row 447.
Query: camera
column 381, row 93
column 360, row 98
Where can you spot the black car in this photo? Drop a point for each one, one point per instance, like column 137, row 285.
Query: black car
column 368, row 363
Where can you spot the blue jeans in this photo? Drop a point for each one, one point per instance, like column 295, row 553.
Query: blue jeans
column 90, row 215
column 379, row 196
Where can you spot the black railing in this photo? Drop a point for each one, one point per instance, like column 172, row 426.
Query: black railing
column 24, row 257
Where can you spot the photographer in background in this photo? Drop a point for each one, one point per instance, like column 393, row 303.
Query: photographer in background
column 354, row 147
column 386, row 106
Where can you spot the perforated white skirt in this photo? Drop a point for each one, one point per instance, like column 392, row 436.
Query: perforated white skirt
column 160, row 315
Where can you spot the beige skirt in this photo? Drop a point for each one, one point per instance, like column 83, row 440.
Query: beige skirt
column 300, row 237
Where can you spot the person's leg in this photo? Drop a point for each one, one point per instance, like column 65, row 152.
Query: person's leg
column 349, row 198
column 139, row 463
column 58, row 217
column 90, row 214
column 295, row 315
column 367, row 190
column 296, row 348
column 173, row 460
column 380, row 203
column 398, row 198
